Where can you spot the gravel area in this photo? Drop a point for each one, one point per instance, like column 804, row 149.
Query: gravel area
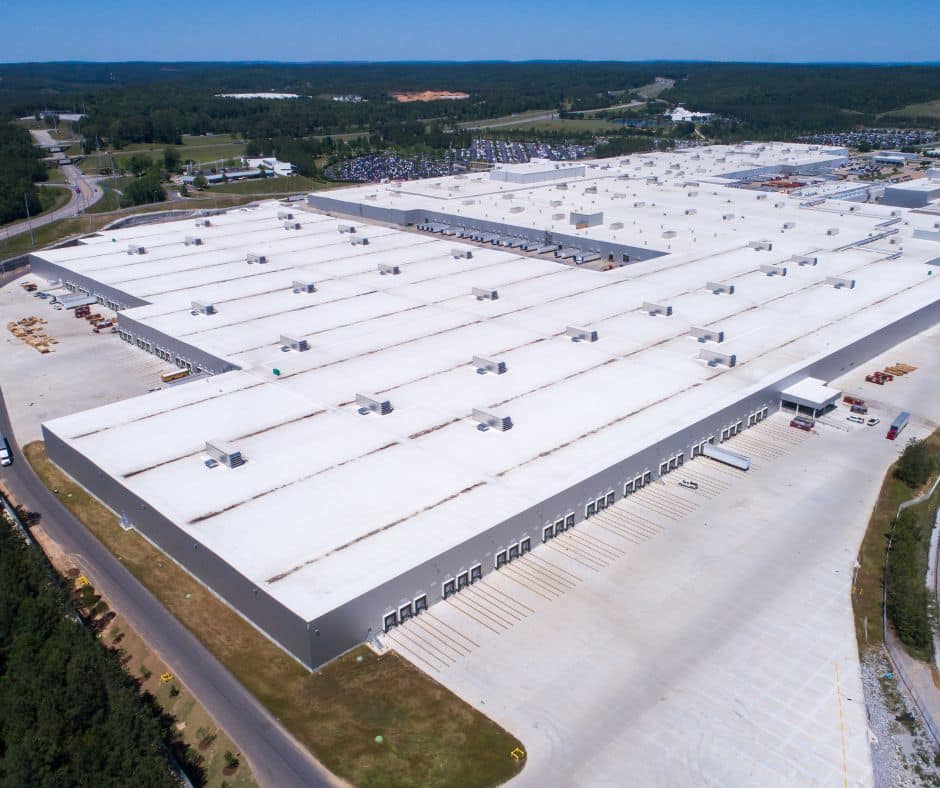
column 902, row 751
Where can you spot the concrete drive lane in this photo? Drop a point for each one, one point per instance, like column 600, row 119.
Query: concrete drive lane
column 276, row 758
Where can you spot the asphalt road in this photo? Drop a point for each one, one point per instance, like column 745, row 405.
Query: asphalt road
column 87, row 194
column 275, row 757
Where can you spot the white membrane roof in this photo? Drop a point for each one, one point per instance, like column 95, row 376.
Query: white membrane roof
column 331, row 503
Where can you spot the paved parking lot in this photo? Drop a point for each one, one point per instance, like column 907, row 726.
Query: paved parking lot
column 85, row 369
column 692, row 637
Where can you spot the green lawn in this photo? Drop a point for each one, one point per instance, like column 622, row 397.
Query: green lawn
column 53, row 197
column 928, row 109
column 592, row 125
column 291, row 185
column 430, row 737
column 219, row 147
column 519, row 116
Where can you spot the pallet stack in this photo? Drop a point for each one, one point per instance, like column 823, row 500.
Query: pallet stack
column 30, row 330
column 900, row 369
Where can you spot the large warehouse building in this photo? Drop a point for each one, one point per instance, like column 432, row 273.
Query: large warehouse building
column 382, row 412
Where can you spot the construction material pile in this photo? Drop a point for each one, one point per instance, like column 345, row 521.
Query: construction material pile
column 30, row 330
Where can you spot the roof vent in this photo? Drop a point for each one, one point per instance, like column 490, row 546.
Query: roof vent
column 484, row 365
column 347, row 228
column 369, row 403
column 360, row 240
column 386, row 268
column 690, row 212
column 516, row 209
column 706, row 334
column 224, row 453
column 580, row 334
column 285, row 214
column 484, row 294
column 773, row 270
column 714, row 359
column 760, row 246
column 299, row 286
column 192, row 240
column 840, row 283
column 486, row 421
column 800, row 260
column 669, row 233
column 719, row 287
column 136, row 249
column 789, row 225
column 832, row 231
column 639, row 204
column 254, row 257
column 616, row 225
column 203, row 222
column 201, row 308
column 294, row 343
column 459, row 254
column 727, row 216
column 289, row 225
column 657, row 309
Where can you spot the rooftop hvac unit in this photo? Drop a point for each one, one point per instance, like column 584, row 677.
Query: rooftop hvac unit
column 707, row 334
column 719, row 287
column 690, row 212
column 484, row 365
column 459, row 254
column 201, row 308
column 224, row 453
column 516, row 209
column 840, row 283
column 778, row 205
column 760, row 246
column 773, row 270
column 800, row 260
column 289, row 225
column 509, row 196
column 616, row 225
column 639, row 204
column 254, row 257
column 554, row 203
column 647, row 163
column 581, row 334
column 789, row 225
column 285, row 214
column 192, row 240
column 369, row 403
column 487, row 421
column 652, row 181
column 360, row 240
column 386, row 268
column 691, row 184
column 468, row 202
column 832, row 231
column 556, row 217
column 714, row 359
column 562, row 186
column 591, row 190
column 346, row 228
column 727, row 217
column 136, row 249
column 299, row 286
column 294, row 343
column 484, row 294
column 669, row 233
column 692, row 194
column 761, row 196
column 657, row 309
column 203, row 222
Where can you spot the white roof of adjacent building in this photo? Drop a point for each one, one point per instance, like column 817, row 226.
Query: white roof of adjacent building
column 331, row 502
column 811, row 392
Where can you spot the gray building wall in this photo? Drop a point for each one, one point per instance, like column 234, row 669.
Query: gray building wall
column 77, row 282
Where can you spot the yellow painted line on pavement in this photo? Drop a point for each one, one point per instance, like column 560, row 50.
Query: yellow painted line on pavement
column 845, row 765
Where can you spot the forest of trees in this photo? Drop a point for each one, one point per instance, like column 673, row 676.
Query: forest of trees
column 20, row 168
column 69, row 714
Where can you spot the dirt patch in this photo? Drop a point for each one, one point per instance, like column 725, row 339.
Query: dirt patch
column 429, row 95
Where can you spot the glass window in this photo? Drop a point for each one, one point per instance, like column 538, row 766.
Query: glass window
column 421, row 603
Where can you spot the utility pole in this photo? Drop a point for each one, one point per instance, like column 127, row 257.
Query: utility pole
column 29, row 220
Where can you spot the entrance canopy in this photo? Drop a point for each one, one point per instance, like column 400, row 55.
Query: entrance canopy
column 811, row 393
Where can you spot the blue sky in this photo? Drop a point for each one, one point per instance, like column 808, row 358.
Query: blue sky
column 308, row 30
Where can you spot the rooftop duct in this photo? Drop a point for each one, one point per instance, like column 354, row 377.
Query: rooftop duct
column 714, row 359
column 192, row 240
column 294, row 343
column 484, row 365
column 706, row 334
column 224, row 453
column 203, row 222
column 201, row 308
column 289, row 225
column 254, row 257
column 657, row 309
column 285, row 214
column 459, row 254
column 484, row 294
column 346, row 228
column 386, row 268
column 487, row 421
column 840, row 283
column 801, row 260
column 581, row 334
column 369, row 403
column 719, row 287
column 136, row 249
column 299, row 286
column 773, row 270
column 360, row 240
column 761, row 246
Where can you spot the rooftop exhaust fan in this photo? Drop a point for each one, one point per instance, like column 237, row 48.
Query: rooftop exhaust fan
column 201, row 308
column 192, row 240
column 773, row 270
column 294, row 343
column 254, row 257
column 285, row 214
column 289, row 225
column 840, row 283
column 386, row 268
column 714, row 359
column 719, row 287
column 801, row 261
column 303, row 287
column 136, row 249
column 369, row 403
column 760, row 246
column 484, row 365
column 657, row 309
column 459, row 254
column 360, row 240
column 706, row 334
column 581, row 334
column 346, row 228
column 224, row 453
column 487, row 421
column 484, row 294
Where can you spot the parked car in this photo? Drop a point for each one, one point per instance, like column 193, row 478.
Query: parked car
column 855, row 419
column 873, row 421
column 6, row 456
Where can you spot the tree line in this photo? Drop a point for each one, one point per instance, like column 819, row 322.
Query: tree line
column 21, row 168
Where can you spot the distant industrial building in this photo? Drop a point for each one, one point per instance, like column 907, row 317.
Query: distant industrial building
column 400, row 388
